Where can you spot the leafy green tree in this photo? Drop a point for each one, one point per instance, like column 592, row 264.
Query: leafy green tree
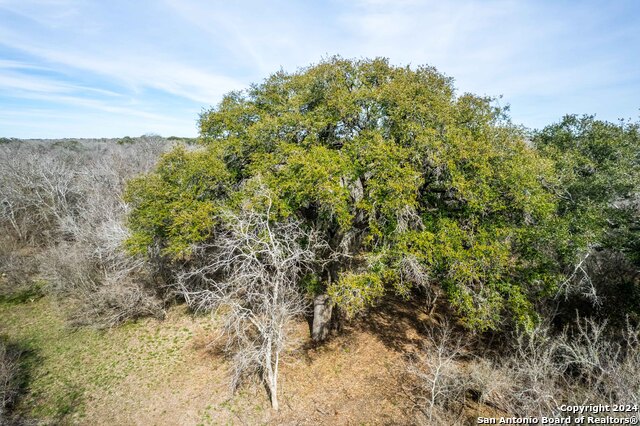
column 598, row 165
column 410, row 185
column 598, row 169
column 127, row 140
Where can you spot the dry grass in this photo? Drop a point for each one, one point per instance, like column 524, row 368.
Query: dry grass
column 166, row 373
column 170, row 372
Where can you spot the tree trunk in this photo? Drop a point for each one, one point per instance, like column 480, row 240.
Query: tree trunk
column 272, row 376
column 322, row 308
column 273, row 391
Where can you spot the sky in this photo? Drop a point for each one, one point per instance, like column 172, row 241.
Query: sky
column 83, row 68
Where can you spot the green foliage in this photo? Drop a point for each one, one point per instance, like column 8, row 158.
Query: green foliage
column 175, row 206
column 188, row 141
column 69, row 144
column 598, row 164
column 127, row 140
column 312, row 285
column 383, row 161
column 356, row 291
column 598, row 169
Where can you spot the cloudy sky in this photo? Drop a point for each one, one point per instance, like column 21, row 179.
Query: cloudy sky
column 82, row 68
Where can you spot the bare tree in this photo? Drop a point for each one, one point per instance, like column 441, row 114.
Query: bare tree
column 250, row 273
column 62, row 202
column 36, row 191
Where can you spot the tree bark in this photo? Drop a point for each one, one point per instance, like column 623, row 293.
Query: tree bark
column 322, row 309
column 273, row 393
column 272, row 376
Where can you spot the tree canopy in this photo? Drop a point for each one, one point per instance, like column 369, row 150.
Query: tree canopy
column 598, row 168
column 410, row 184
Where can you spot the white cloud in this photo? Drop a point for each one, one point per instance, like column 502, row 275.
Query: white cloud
column 135, row 70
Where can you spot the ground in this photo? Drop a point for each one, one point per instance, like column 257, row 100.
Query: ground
column 168, row 372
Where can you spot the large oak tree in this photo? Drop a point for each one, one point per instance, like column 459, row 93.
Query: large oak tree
column 409, row 183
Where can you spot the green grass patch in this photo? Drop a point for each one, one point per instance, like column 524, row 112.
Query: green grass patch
column 67, row 368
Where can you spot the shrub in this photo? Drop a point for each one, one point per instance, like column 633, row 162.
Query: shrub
column 18, row 271
column 436, row 376
column 531, row 375
column 9, row 380
column 251, row 275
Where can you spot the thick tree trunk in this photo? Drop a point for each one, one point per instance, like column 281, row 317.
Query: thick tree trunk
column 322, row 309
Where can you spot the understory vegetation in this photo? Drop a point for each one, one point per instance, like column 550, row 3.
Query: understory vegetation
column 325, row 195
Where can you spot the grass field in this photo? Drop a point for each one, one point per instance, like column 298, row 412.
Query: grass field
column 73, row 375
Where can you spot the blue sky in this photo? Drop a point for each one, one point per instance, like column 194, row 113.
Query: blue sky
column 81, row 68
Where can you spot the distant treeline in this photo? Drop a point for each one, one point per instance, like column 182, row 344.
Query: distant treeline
column 76, row 142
